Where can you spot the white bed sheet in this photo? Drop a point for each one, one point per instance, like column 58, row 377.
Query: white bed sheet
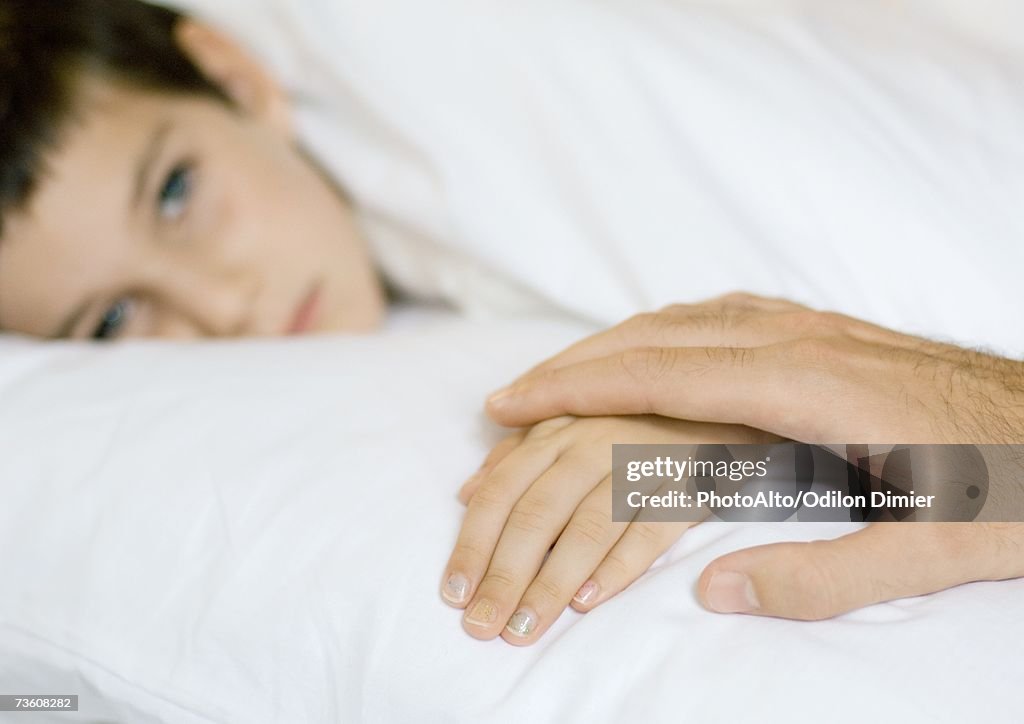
column 254, row 532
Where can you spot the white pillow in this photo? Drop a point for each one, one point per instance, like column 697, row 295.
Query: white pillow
column 255, row 532
column 608, row 157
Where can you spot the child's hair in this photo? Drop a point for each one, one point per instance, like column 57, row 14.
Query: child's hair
column 45, row 46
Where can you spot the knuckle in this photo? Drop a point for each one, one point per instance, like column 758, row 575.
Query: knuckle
column 675, row 324
column 617, row 567
column 648, row 534
column 530, row 515
column 544, row 590
column 469, row 552
column 590, row 527
column 742, row 356
column 738, row 357
column 646, row 364
column 498, row 580
column 716, row 319
column 490, row 496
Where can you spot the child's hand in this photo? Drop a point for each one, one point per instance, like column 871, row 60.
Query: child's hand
column 551, row 486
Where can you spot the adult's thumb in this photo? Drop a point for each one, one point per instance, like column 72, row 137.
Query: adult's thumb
column 884, row 561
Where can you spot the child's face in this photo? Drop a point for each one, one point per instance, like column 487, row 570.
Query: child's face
column 179, row 216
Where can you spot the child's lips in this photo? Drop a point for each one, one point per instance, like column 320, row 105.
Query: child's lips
column 305, row 313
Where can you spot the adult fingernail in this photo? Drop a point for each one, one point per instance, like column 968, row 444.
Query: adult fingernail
column 456, row 588
column 522, row 623
column 484, row 613
column 500, row 397
column 587, row 593
column 730, row 592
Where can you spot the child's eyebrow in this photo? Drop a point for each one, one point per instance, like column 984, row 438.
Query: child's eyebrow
column 147, row 159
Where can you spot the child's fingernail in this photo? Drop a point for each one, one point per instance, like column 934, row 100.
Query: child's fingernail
column 522, row 623
column 500, row 397
column 587, row 593
column 484, row 613
column 730, row 592
column 456, row 588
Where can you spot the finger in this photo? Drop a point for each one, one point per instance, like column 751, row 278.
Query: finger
column 533, row 525
column 756, row 301
column 733, row 320
column 635, row 552
column 495, row 456
column 487, row 512
column 586, row 540
column 885, row 561
column 716, row 384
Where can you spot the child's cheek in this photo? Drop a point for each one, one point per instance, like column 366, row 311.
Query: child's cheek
column 219, row 216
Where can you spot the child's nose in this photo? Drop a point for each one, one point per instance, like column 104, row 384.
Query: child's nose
column 218, row 304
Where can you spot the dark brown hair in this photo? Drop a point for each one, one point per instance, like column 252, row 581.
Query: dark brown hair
column 45, row 46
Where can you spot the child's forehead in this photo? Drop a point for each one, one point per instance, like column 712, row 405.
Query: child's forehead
column 96, row 94
column 111, row 122
column 97, row 152
column 103, row 124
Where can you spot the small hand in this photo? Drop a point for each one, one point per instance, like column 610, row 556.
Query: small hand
column 549, row 489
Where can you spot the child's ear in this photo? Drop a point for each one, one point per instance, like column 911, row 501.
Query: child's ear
column 239, row 75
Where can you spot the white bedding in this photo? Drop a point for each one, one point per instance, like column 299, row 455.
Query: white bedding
column 860, row 155
column 254, row 532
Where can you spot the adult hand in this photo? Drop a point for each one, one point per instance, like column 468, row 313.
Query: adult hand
column 814, row 377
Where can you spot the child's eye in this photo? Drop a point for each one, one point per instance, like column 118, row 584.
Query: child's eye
column 175, row 192
column 113, row 320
